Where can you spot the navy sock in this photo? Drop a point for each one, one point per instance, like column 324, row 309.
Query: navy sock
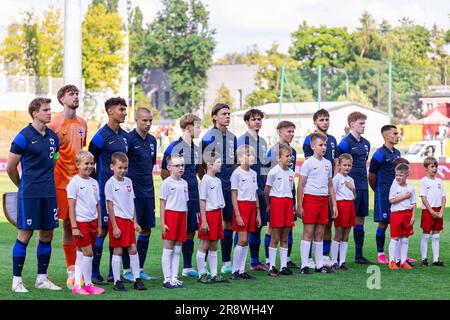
column 236, row 239
column 187, row 248
column 98, row 250
column 358, row 234
column 142, row 248
column 267, row 238
column 290, row 240
column 44, row 251
column 254, row 242
column 326, row 247
column 19, row 254
column 226, row 244
column 381, row 237
column 125, row 258
column 111, row 253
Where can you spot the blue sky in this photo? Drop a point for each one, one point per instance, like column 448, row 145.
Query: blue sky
column 242, row 23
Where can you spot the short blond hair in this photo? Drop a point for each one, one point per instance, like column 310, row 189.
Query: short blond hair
column 355, row 116
column 284, row 147
column 345, row 156
column 245, row 149
column 430, row 160
column 189, row 119
column 119, row 157
column 81, row 155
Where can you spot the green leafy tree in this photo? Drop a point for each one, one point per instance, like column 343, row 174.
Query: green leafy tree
column 356, row 95
column 103, row 41
column 31, row 44
column 223, row 96
column 11, row 52
column 51, row 39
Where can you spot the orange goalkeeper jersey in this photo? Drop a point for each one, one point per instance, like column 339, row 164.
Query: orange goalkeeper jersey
column 72, row 135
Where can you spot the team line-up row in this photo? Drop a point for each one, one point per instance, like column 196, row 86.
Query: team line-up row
column 244, row 186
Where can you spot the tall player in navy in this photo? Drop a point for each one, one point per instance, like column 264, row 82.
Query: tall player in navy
column 253, row 120
column 358, row 147
column 36, row 148
column 109, row 139
column 381, row 176
column 220, row 140
column 186, row 148
column 142, row 157
column 321, row 120
column 285, row 131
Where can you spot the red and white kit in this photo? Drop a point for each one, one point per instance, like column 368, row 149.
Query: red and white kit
column 433, row 190
column 281, row 198
column 176, row 195
column 211, row 192
column 344, row 201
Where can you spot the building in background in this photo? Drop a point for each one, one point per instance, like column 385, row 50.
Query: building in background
column 438, row 96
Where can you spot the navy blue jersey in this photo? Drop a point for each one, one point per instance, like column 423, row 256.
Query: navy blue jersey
column 142, row 158
column 225, row 145
column 36, row 150
column 272, row 155
column 191, row 155
column 359, row 150
column 330, row 154
column 260, row 166
column 104, row 143
column 381, row 165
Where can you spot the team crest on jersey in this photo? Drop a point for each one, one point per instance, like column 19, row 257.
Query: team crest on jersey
column 384, row 215
column 185, row 189
column 95, row 188
column 327, row 168
column 129, row 188
column 52, row 141
column 290, row 178
column 439, row 185
column 29, row 222
column 152, row 147
column 254, row 179
column 80, row 132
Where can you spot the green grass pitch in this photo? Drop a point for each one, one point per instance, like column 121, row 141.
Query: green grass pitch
column 420, row 283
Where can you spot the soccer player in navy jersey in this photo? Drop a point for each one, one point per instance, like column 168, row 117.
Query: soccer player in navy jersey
column 142, row 148
column 285, row 131
column 186, row 148
column 381, row 176
column 358, row 147
column 109, row 139
column 321, row 120
column 220, row 140
column 253, row 119
column 36, row 148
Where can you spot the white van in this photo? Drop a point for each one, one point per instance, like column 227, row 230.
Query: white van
column 421, row 149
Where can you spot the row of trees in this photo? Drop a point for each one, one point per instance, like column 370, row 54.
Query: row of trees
column 181, row 41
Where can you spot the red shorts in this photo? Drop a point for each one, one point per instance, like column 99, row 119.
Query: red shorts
column 281, row 212
column 214, row 220
column 63, row 204
column 89, row 232
column 128, row 236
column 247, row 210
column 428, row 223
column 176, row 221
column 346, row 214
column 315, row 209
column 400, row 226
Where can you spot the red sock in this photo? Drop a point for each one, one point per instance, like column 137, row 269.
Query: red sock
column 70, row 252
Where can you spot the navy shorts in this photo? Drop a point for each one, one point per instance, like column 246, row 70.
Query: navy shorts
column 227, row 212
column 263, row 209
column 382, row 210
column 193, row 214
column 37, row 213
column 103, row 211
column 145, row 212
column 362, row 203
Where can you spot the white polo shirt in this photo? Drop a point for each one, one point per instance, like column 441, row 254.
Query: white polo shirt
column 245, row 183
column 317, row 172
column 397, row 191
column 433, row 190
column 211, row 192
column 86, row 196
column 175, row 193
column 281, row 182
column 121, row 194
column 342, row 191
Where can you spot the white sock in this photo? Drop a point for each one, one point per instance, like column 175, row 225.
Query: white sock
column 305, row 246
column 175, row 263
column 212, row 261
column 424, row 245
column 115, row 266
column 343, row 247
column 41, row 277
column 79, row 268
column 283, row 257
column 393, row 250
column 237, row 258
column 16, row 280
column 398, row 251
column 318, row 252
column 201, row 262
column 166, row 263
column 435, row 246
column 272, row 257
column 243, row 259
column 86, row 267
column 134, row 264
column 334, row 251
column 404, row 250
